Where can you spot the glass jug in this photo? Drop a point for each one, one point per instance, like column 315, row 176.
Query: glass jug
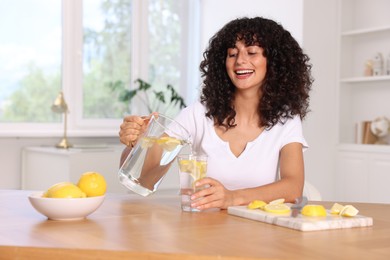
column 150, row 159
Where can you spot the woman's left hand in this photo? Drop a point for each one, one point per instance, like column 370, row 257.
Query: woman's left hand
column 215, row 196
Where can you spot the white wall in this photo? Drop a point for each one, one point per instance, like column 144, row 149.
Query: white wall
column 320, row 42
column 216, row 13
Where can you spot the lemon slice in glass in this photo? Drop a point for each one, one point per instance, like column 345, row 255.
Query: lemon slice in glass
column 198, row 171
column 186, row 165
column 201, row 169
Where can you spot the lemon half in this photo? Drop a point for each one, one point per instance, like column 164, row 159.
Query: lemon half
column 313, row 211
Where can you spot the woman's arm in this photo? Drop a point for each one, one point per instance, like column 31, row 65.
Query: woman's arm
column 124, row 154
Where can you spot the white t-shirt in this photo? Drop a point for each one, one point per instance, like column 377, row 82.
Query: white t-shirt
column 257, row 165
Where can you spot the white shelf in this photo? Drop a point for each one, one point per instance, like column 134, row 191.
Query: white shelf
column 364, row 79
column 366, row 31
column 363, row 170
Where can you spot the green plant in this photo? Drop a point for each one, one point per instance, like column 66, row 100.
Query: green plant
column 160, row 101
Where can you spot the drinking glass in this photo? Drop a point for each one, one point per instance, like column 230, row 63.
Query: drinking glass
column 192, row 168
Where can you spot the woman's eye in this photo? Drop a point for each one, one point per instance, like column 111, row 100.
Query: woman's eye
column 232, row 53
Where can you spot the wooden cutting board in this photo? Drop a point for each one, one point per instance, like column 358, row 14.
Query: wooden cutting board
column 300, row 222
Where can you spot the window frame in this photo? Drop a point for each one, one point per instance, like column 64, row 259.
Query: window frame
column 72, row 73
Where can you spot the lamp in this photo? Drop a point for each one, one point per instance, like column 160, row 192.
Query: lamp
column 60, row 106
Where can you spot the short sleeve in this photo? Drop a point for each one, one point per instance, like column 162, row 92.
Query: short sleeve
column 294, row 133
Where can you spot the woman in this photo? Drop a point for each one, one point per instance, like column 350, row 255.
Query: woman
column 256, row 83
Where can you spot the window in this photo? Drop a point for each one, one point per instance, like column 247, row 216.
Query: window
column 107, row 56
column 83, row 48
column 30, row 60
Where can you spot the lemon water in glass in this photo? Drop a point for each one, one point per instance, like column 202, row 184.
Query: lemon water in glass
column 192, row 168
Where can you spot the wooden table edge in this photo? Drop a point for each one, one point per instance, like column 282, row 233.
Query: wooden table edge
column 42, row 253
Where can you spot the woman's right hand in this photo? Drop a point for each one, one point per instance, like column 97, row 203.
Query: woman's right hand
column 131, row 128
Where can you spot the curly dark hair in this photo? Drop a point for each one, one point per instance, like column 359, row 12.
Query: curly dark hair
column 286, row 87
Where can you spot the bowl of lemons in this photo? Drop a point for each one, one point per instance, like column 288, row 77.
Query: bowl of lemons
column 69, row 201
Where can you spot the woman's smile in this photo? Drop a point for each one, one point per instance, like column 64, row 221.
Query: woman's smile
column 244, row 73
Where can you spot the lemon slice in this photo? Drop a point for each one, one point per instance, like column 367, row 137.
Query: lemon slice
column 349, row 211
column 198, row 171
column 257, row 204
column 277, row 201
column 336, row 209
column 186, row 165
column 277, row 208
column 168, row 143
column 313, row 211
column 147, row 142
column 201, row 169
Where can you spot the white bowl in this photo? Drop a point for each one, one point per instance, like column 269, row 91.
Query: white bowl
column 63, row 208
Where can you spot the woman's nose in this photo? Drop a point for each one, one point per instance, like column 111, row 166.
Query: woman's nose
column 241, row 58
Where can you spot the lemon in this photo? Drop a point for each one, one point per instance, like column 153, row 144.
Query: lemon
column 277, row 208
column 147, row 142
column 257, row 204
column 64, row 190
column 200, row 170
column 186, row 165
column 346, row 211
column 196, row 169
column 168, row 143
column 277, row 201
column 93, row 184
column 349, row 211
column 312, row 210
column 336, row 208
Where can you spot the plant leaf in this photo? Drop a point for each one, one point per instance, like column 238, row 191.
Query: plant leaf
column 160, row 96
column 143, row 85
column 127, row 95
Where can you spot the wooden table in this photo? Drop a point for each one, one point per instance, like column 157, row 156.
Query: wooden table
column 133, row 227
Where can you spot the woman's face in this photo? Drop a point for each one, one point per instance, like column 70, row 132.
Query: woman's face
column 246, row 65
